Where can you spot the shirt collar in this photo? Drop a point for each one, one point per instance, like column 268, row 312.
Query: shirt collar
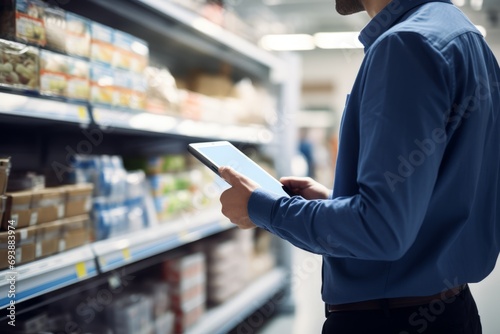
column 387, row 17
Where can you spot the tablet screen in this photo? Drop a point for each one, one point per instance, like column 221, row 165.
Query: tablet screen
column 216, row 154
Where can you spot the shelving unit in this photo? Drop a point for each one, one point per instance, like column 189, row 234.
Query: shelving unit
column 61, row 270
column 46, row 275
column 222, row 319
column 171, row 31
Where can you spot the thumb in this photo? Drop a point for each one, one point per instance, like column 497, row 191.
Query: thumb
column 228, row 174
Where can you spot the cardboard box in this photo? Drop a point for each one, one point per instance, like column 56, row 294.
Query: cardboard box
column 78, row 199
column 47, row 239
column 18, row 209
column 18, row 66
column 78, row 79
column 49, row 204
column 4, row 174
column 22, row 242
column 77, row 35
column 23, row 21
column 24, row 253
column 75, row 232
column 102, row 81
column 101, row 48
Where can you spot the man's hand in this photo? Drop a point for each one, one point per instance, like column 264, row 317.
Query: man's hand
column 235, row 199
column 306, row 187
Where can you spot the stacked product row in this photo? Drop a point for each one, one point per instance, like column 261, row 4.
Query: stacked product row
column 170, row 298
column 58, row 53
column 40, row 221
column 177, row 184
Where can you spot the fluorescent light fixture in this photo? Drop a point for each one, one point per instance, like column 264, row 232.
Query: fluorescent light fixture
column 338, row 40
column 459, row 3
column 476, row 4
column 482, row 30
column 288, row 42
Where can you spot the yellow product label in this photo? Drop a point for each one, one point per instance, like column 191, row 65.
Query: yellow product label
column 126, row 254
column 81, row 270
column 82, row 113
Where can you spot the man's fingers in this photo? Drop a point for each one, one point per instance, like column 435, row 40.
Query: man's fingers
column 227, row 173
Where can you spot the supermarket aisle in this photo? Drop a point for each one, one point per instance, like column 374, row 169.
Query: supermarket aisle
column 306, row 285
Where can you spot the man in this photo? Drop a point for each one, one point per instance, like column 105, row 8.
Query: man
column 414, row 214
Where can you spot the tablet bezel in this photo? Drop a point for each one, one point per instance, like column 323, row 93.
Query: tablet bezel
column 193, row 148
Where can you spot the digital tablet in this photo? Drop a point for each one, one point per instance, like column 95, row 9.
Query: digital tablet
column 223, row 153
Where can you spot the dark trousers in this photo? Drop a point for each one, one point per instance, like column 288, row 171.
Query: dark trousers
column 457, row 315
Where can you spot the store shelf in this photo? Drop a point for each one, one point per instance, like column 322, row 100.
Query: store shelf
column 120, row 251
column 216, row 33
column 222, row 319
column 46, row 275
column 42, row 108
column 170, row 125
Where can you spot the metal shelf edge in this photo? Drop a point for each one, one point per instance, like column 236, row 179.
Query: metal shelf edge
column 120, row 251
column 215, row 32
column 45, row 275
column 39, row 107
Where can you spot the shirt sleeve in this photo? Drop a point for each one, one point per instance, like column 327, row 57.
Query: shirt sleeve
column 402, row 103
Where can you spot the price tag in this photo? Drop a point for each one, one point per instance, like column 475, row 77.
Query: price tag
column 126, row 254
column 82, row 113
column 81, row 270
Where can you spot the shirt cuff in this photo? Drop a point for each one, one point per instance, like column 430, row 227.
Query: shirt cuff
column 260, row 208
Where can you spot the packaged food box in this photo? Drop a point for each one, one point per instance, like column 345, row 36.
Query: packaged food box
column 23, row 21
column 77, row 35
column 78, row 79
column 186, row 317
column 18, row 65
column 4, row 174
column 137, row 98
column 55, row 28
column 22, row 242
column 78, row 199
column 101, row 48
column 18, row 210
column 49, row 204
column 101, row 84
column 122, row 90
column 75, row 232
column 130, row 53
column 47, row 239
column 54, row 72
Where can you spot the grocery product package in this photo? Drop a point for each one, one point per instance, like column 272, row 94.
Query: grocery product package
column 78, row 79
column 55, row 28
column 101, row 48
column 23, row 21
column 77, row 35
column 4, row 174
column 54, row 70
column 18, row 66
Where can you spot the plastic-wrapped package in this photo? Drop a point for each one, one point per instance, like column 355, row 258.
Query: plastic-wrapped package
column 19, row 65
column 77, row 35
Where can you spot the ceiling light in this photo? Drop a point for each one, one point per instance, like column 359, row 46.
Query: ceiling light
column 338, row 40
column 476, row 4
column 459, row 3
column 289, row 42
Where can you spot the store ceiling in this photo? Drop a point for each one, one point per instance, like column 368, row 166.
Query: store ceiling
column 311, row 16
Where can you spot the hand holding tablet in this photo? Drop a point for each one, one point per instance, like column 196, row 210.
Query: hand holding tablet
column 223, row 153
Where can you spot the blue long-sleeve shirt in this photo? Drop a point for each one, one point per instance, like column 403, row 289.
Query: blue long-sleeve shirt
column 415, row 205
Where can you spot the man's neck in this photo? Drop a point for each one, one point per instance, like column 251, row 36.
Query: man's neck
column 373, row 7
